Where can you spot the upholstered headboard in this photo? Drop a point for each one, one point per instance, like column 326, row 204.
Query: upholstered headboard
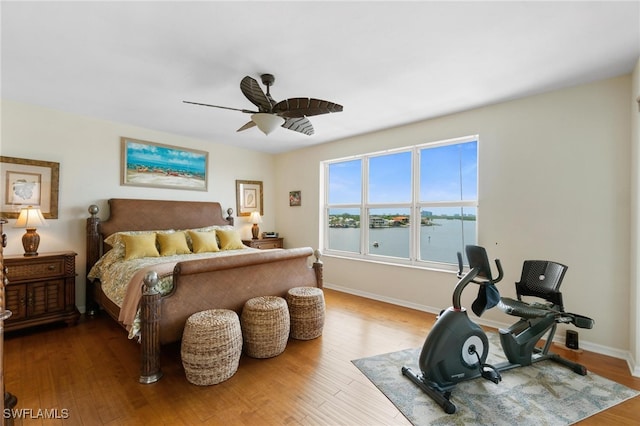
column 148, row 215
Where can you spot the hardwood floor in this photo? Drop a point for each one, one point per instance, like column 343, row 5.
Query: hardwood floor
column 88, row 374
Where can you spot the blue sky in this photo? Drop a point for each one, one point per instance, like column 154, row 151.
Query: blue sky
column 442, row 169
column 161, row 156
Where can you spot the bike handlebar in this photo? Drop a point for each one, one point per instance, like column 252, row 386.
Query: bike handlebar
column 470, row 277
column 500, row 271
column 460, row 265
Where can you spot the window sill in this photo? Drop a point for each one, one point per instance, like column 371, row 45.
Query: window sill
column 380, row 260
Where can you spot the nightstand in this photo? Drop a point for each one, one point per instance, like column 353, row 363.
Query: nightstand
column 40, row 289
column 265, row 243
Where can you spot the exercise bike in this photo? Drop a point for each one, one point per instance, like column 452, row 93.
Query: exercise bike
column 456, row 349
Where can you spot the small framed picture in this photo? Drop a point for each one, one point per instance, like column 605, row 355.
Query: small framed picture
column 249, row 197
column 295, row 198
column 27, row 182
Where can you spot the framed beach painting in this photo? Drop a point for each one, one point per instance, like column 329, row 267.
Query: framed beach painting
column 249, row 197
column 29, row 183
column 162, row 166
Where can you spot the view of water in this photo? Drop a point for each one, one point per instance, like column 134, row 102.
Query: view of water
column 438, row 243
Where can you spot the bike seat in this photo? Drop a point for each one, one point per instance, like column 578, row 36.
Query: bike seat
column 525, row 310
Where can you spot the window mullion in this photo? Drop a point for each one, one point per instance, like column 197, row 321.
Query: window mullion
column 364, row 212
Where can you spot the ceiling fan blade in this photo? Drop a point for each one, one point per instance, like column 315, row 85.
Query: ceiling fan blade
column 223, row 107
column 254, row 93
column 299, row 124
column 249, row 125
column 304, row 107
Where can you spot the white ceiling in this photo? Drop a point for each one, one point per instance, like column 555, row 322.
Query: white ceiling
column 388, row 63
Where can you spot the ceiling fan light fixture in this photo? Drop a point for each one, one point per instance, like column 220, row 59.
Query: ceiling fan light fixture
column 267, row 123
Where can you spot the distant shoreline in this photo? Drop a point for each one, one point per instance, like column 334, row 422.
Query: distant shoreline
column 164, row 179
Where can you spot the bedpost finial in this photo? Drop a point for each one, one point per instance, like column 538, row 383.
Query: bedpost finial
column 229, row 211
column 318, row 254
column 150, row 282
column 93, row 209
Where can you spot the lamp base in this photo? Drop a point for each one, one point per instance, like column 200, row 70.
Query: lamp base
column 255, row 230
column 30, row 242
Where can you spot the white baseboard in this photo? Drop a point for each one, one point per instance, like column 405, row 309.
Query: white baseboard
column 633, row 366
column 586, row 345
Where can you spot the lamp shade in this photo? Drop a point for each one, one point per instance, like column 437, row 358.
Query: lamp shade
column 255, row 217
column 30, row 218
column 267, row 123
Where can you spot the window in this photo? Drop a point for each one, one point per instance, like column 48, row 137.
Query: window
column 415, row 205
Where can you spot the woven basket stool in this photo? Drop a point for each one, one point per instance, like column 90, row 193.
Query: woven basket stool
column 306, row 310
column 211, row 346
column 265, row 326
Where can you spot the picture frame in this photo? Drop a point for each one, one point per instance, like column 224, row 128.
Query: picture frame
column 295, row 198
column 26, row 182
column 249, row 197
column 156, row 165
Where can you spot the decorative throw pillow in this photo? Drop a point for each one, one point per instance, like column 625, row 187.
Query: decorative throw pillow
column 173, row 243
column 229, row 240
column 142, row 245
column 115, row 240
column 204, row 242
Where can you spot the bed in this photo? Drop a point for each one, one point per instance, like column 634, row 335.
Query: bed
column 196, row 283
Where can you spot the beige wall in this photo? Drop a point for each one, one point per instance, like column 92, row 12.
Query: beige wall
column 554, row 179
column 634, row 252
column 555, row 183
column 88, row 151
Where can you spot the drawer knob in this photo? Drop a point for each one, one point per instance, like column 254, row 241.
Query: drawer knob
column 51, row 267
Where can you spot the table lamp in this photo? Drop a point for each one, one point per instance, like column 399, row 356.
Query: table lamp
column 255, row 219
column 30, row 218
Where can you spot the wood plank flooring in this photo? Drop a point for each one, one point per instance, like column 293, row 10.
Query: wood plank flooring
column 88, row 374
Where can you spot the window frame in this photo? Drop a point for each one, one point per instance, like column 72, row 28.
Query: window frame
column 414, row 206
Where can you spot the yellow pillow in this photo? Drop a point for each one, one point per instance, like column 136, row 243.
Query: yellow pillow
column 137, row 246
column 204, row 241
column 229, row 240
column 174, row 243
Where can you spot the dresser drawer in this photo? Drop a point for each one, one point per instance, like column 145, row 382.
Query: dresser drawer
column 267, row 245
column 35, row 270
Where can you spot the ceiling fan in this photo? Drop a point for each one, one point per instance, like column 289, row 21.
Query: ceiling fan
column 290, row 113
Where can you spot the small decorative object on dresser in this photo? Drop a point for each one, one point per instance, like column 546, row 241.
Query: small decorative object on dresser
column 40, row 289
column 265, row 243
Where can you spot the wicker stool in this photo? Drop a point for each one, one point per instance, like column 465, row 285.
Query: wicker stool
column 306, row 309
column 211, row 346
column 265, row 326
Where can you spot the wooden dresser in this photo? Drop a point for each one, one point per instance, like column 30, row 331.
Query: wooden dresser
column 265, row 243
column 40, row 289
column 9, row 401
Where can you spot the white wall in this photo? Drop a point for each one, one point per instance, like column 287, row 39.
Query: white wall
column 554, row 178
column 88, row 151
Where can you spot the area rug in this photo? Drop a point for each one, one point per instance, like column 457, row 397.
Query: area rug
column 545, row 393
